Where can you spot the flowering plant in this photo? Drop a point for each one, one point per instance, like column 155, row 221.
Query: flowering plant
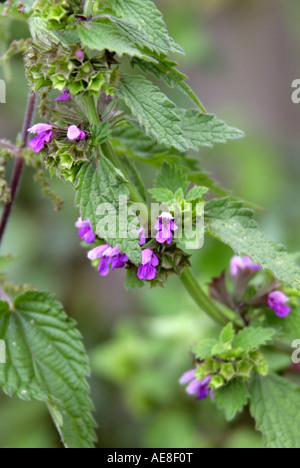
column 89, row 64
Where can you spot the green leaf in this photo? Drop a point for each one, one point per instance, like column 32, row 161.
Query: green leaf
column 148, row 19
column 99, row 184
column 155, row 112
column 196, row 193
column 6, row 261
column 252, row 338
column 232, row 398
column 165, row 70
column 46, row 360
column 227, row 334
column 104, row 35
column 162, row 195
column 172, row 177
column 233, row 224
column 132, row 281
column 204, row 349
column 275, row 405
column 205, row 129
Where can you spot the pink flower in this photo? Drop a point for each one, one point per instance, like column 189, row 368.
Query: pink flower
column 75, row 134
column 165, row 227
column 44, row 135
column 242, row 264
column 147, row 271
column 85, row 231
column 277, row 301
column 108, row 256
column 65, row 96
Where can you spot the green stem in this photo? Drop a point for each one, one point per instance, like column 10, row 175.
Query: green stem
column 88, row 8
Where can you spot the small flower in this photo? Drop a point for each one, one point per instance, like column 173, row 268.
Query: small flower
column 141, row 233
column 277, row 301
column 108, row 256
column 147, row 270
column 80, row 54
column 242, row 264
column 165, row 227
column 44, row 135
column 85, row 231
column 199, row 388
column 65, row 96
column 75, row 134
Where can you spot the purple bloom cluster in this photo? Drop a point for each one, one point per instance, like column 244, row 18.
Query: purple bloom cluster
column 166, row 228
column 147, row 271
column 277, row 301
column 243, row 265
column 109, row 256
column 85, row 231
column 199, row 388
column 44, row 135
column 64, row 96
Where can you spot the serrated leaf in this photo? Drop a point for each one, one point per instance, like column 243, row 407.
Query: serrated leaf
column 233, row 224
column 232, row 398
column 173, row 178
column 165, row 70
column 46, row 360
column 252, row 338
column 196, row 193
column 204, row 349
column 162, row 195
column 205, row 129
column 149, row 20
column 275, row 405
column 227, row 334
column 105, row 35
column 154, row 111
column 99, row 183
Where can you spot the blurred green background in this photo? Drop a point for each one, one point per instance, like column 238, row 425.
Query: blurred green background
column 241, row 57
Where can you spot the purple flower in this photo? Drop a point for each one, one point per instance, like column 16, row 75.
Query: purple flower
column 79, row 54
column 241, row 265
column 108, row 256
column 199, row 388
column 165, row 227
column 64, row 96
column 75, row 134
column 147, row 270
column 85, row 231
column 44, row 135
column 277, row 301
column 141, row 233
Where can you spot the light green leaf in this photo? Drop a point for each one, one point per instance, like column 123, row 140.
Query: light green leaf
column 275, row 405
column 232, row 398
column 227, row 334
column 46, row 360
column 204, row 349
column 6, row 261
column 233, row 224
column 172, row 177
column 154, row 111
column 149, row 20
column 104, row 35
column 162, row 195
column 99, row 184
column 252, row 338
column 205, row 129
column 196, row 193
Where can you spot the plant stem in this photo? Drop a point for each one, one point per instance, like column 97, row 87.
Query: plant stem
column 88, row 8
column 9, row 146
column 19, row 164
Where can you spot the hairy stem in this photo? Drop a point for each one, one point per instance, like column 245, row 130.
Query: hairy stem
column 9, row 146
column 88, row 8
column 19, row 165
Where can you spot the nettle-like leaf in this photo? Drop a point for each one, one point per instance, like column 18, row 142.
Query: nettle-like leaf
column 173, row 178
column 106, row 35
column 148, row 19
column 154, row 111
column 46, row 360
column 232, row 398
column 165, row 70
column 205, row 129
column 251, row 338
column 275, row 405
column 233, row 224
column 101, row 185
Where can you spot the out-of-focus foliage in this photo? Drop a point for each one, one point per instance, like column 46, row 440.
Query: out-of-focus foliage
column 242, row 58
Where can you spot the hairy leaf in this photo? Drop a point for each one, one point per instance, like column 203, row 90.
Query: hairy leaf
column 154, row 111
column 173, row 178
column 232, row 398
column 100, row 185
column 233, row 224
column 46, row 360
column 275, row 405
column 252, row 338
